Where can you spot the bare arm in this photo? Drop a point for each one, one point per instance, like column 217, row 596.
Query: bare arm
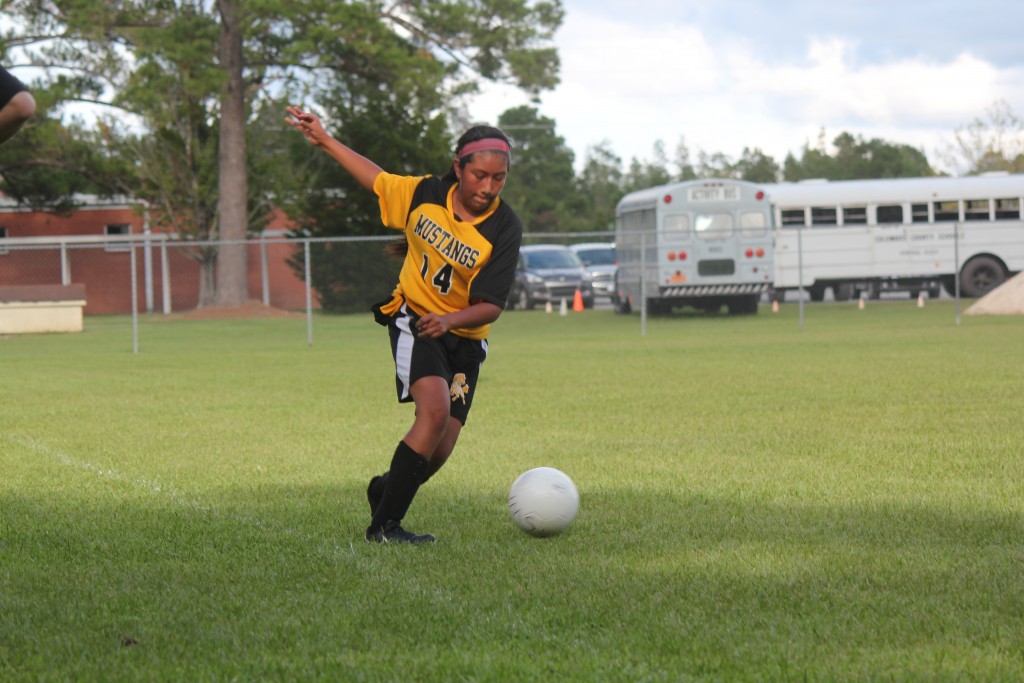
column 362, row 169
column 479, row 313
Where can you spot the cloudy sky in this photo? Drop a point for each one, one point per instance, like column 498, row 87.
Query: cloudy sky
column 770, row 74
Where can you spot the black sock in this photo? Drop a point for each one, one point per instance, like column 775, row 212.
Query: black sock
column 402, row 482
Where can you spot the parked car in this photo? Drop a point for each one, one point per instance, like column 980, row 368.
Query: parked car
column 548, row 273
column 600, row 262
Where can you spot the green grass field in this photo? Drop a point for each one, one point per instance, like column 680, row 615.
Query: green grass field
column 759, row 502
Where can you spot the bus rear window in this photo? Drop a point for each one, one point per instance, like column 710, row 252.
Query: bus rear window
column 753, row 224
column 713, row 226
column 676, row 228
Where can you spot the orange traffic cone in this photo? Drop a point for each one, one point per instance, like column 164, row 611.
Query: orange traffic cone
column 577, row 301
column 775, row 306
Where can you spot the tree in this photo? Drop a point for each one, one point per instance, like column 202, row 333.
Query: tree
column 757, row 167
column 541, row 181
column 857, row 158
column 600, row 186
column 992, row 143
column 643, row 174
column 227, row 54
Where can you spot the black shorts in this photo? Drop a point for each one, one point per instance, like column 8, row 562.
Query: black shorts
column 9, row 86
column 454, row 358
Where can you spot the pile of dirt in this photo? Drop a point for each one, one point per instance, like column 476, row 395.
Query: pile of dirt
column 1006, row 299
column 250, row 309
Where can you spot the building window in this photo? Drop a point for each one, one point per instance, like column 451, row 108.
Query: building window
column 1008, row 209
column 114, row 231
column 893, row 213
column 947, row 211
column 976, row 210
column 824, row 215
column 855, row 215
column 3, row 236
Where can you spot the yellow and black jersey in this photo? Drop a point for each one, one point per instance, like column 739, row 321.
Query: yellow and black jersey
column 450, row 261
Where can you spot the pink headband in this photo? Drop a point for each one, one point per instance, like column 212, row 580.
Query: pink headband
column 485, row 145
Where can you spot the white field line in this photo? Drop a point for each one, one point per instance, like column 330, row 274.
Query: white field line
column 169, row 491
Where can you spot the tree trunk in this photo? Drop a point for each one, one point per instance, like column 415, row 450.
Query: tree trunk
column 232, row 265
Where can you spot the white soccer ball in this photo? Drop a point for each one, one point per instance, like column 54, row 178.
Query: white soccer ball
column 543, row 501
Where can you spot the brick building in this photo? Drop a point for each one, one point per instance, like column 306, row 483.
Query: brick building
column 92, row 246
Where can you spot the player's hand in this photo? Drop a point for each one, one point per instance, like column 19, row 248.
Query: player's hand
column 432, row 326
column 307, row 124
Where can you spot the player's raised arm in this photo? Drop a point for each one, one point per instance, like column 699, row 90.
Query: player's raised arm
column 362, row 169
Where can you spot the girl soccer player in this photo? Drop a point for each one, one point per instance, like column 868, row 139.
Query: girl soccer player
column 460, row 252
column 16, row 105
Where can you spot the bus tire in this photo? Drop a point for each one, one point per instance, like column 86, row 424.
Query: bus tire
column 842, row 291
column 817, row 292
column 658, row 307
column 981, row 275
column 621, row 304
column 743, row 305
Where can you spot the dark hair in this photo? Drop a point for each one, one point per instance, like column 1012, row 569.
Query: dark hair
column 472, row 135
column 400, row 247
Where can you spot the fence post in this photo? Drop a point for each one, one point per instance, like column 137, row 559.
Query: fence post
column 643, row 284
column 800, row 270
column 165, row 274
column 309, row 299
column 135, row 301
column 147, row 265
column 263, row 270
column 956, row 268
column 65, row 265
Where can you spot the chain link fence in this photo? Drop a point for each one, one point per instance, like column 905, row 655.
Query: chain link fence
column 62, row 284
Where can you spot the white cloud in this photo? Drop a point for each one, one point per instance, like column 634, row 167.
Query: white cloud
column 634, row 84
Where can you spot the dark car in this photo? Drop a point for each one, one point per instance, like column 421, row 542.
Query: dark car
column 549, row 273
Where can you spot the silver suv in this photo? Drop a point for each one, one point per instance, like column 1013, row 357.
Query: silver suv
column 549, row 273
column 600, row 262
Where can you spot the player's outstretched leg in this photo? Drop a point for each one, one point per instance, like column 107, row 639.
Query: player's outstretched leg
column 402, row 483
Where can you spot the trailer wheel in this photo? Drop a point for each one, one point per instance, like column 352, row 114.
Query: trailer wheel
column 817, row 292
column 980, row 276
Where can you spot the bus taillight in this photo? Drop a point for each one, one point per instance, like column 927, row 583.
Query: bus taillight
column 759, row 195
column 750, row 253
column 760, row 253
column 668, row 199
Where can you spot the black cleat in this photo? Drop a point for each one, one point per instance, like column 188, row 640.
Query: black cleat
column 392, row 532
